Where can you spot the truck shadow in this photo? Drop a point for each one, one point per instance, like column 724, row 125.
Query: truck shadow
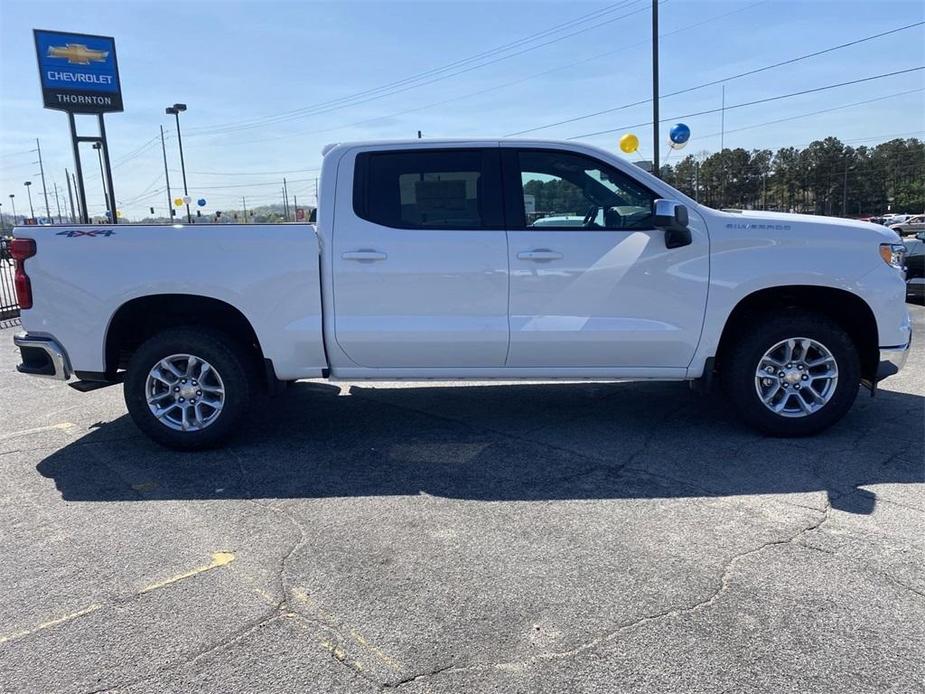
column 501, row 443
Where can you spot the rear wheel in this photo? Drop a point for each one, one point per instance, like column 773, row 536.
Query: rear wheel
column 186, row 388
column 794, row 374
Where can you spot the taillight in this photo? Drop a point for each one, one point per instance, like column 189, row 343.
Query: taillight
column 20, row 249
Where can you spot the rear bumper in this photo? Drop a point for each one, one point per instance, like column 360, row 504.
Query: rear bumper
column 892, row 360
column 42, row 356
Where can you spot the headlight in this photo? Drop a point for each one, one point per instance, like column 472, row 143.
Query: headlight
column 893, row 254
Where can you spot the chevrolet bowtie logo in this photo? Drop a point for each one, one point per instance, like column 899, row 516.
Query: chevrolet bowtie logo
column 77, row 54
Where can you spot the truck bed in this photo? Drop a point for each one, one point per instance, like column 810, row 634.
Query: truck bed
column 82, row 274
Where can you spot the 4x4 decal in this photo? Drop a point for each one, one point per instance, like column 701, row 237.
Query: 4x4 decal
column 72, row 233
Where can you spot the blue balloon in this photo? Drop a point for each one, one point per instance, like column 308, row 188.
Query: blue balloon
column 201, row 202
column 679, row 133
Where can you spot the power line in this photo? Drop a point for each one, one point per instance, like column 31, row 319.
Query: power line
column 251, row 173
column 816, row 113
column 757, row 101
column 444, row 68
column 317, row 110
column 255, row 183
column 720, row 81
column 503, row 85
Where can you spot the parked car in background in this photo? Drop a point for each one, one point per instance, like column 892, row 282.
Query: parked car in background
column 915, row 268
column 568, row 220
column 911, row 226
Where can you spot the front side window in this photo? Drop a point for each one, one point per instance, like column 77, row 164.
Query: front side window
column 562, row 190
column 429, row 189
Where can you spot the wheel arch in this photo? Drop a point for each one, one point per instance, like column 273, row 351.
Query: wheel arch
column 849, row 310
column 140, row 318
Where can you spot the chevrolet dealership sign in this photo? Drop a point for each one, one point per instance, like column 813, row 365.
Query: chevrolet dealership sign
column 78, row 72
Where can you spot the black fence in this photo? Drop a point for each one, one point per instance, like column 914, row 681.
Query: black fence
column 9, row 306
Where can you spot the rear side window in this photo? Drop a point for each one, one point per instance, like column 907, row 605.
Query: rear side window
column 429, row 189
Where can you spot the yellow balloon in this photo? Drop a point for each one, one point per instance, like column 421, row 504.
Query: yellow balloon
column 629, row 143
column 178, row 202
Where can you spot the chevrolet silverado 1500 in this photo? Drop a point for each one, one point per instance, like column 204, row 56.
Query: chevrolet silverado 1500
column 425, row 263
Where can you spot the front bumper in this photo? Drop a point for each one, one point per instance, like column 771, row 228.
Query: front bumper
column 42, row 356
column 892, row 360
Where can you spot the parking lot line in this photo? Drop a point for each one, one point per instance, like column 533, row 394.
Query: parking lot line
column 218, row 559
column 63, row 426
column 50, row 623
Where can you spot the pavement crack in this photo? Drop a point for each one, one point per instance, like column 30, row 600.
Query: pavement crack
column 424, row 675
column 284, row 604
column 722, row 587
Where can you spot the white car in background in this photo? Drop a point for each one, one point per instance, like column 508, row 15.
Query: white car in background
column 566, row 220
column 910, row 227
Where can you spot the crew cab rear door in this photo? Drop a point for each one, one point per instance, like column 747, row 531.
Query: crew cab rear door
column 604, row 293
column 419, row 258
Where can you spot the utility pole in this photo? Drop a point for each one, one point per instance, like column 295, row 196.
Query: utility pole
column 70, row 195
column 98, row 146
column 286, row 199
column 844, row 195
column 295, row 206
column 166, row 176
column 38, row 148
column 81, row 210
column 57, row 201
column 244, row 203
column 722, row 149
column 656, row 169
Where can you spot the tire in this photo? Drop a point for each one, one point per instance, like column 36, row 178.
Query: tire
column 814, row 401
column 223, row 394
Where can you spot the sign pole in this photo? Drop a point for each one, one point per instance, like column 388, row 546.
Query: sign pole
column 79, row 73
column 112, row 194
column 81, row 192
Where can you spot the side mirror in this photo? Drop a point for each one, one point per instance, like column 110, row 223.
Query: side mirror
column 672, row 218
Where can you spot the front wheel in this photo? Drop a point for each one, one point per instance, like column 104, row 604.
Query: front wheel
column 186, row 388
column 794, row 374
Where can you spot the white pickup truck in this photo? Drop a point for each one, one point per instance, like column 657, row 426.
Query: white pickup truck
column 425, row 265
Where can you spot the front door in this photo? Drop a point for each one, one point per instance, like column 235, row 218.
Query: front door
column 592, row 283
column 420, row 260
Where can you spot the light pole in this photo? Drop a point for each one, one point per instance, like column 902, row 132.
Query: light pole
column 175, row 111
column 13, row 203
column 98, row 146
column 28, row 185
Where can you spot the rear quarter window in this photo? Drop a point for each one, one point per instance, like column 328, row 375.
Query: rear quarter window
column 429, row 189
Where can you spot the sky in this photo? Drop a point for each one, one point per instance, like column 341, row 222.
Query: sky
column 325, row 72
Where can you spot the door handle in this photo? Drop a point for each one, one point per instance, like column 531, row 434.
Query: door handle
column 364, row 255
column 540, row 255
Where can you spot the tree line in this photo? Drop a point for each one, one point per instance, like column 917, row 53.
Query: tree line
column 826, row 177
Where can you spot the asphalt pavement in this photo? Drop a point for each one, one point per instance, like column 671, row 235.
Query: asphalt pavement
column 619, row 537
